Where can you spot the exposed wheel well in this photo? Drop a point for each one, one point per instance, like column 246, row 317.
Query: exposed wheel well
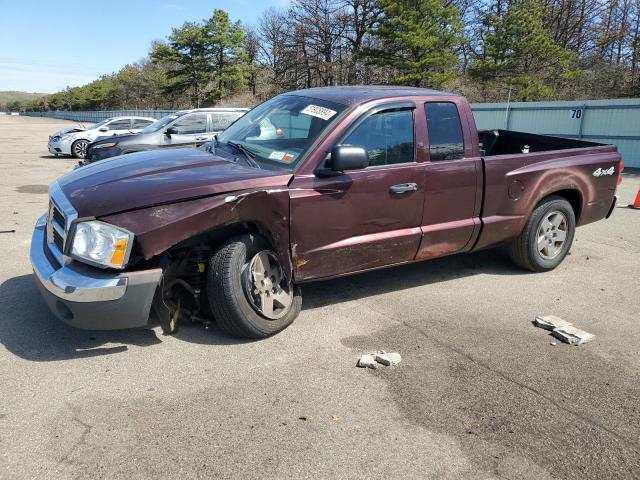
column 217, row 236
column 573, row 197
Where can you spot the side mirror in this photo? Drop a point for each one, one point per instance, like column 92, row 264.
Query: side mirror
column 170, row 131
column 103, row 129
column 347, row 157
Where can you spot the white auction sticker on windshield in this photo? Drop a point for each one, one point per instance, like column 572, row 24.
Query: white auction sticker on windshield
column 320, row 112
column 277, row 155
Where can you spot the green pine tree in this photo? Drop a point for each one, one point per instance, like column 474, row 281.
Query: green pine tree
column 418, row 39
column 519, row 51
column 227, row 56
column 186, row 52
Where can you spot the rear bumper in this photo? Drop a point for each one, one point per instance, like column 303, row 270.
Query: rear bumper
column 613, row 206
column 89, row 298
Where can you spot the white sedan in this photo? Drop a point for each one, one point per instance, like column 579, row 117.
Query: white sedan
column 74, row 141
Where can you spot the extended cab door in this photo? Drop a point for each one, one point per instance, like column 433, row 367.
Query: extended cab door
column 190, row 130
column 366, row 218
column 453, row 179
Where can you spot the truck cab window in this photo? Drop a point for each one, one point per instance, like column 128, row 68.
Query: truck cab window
column 445, row 131
column 387, row 136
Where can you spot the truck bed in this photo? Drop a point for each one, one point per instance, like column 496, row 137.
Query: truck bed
column 508, row 142
column 586, row 173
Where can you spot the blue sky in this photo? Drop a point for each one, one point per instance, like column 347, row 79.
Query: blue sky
column 47, row 45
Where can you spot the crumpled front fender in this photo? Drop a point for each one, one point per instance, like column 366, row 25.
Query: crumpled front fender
column 160, row 227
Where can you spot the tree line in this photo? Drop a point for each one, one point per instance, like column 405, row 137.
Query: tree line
column 488, row 50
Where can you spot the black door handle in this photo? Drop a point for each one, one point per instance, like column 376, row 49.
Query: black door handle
column 403, row 188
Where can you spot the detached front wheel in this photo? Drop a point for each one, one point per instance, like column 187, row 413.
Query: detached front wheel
column 248, row 292
column 547, row 236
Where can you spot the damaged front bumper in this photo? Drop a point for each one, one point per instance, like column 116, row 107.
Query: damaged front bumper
column 88, row 298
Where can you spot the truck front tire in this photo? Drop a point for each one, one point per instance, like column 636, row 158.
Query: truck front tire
column 547, row 236
column 247, row 290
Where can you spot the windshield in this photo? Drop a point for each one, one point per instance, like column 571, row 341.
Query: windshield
column 98, row 125
column 280, row 131
column 158, row 124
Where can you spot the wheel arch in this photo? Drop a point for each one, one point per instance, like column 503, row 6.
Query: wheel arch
column 571, row 195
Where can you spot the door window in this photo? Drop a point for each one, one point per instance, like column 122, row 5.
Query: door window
column 138, row 123
column 119, row 125
column 445, row 131
column 387, row 136
column 191, row 124
column 220, row 121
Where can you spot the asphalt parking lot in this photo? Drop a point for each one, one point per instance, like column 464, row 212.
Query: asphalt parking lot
column 480, row 393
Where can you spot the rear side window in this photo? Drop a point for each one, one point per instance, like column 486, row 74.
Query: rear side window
column 445, row 131
column 387, row 136
column 119, row 125
column 141, row 123
column 191, row 124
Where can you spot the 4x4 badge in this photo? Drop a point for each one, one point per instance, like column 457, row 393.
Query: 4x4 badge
column 601, row 172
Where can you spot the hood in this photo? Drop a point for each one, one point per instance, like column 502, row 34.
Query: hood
column 64, row 131
column 155, row 177
column 105, row 138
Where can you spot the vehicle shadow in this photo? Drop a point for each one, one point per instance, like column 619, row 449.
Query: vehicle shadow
column 29, row 330
column 322, row 294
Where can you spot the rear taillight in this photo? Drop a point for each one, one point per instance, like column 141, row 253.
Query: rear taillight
column 620, row 170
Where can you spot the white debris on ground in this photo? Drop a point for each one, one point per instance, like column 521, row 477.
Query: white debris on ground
column 388, row 359
column 367, row 361
column 563, row 330
column 372, row 360
column 572, row 335
column 551, row 322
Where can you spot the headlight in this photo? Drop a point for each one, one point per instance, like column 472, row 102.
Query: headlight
column 105, row 145
column 101, row 244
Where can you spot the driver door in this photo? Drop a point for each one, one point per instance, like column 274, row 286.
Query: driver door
column 362, row 219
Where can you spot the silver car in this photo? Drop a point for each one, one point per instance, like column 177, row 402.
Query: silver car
column 74, row 141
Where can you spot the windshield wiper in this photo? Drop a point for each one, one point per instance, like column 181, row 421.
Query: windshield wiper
column 248, row 154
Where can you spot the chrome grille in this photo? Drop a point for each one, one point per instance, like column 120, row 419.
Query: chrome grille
column 61, row 214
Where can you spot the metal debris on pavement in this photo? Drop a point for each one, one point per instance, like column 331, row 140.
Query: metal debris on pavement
column 551, row 322
column 572, row 335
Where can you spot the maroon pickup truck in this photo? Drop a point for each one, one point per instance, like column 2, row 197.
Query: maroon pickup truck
column 309, row 185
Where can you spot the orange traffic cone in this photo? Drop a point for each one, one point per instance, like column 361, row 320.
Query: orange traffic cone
column 636, row 204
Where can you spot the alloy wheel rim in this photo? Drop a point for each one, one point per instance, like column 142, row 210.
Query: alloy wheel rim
column 552, row 235
column 81, row 148
column 266, row 287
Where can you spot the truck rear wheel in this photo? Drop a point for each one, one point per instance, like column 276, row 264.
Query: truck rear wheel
column 247, row 289
column 547, row 236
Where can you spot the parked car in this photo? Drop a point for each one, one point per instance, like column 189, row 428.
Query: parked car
column 357, row 179
column 74, row 141
column 186, row 128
